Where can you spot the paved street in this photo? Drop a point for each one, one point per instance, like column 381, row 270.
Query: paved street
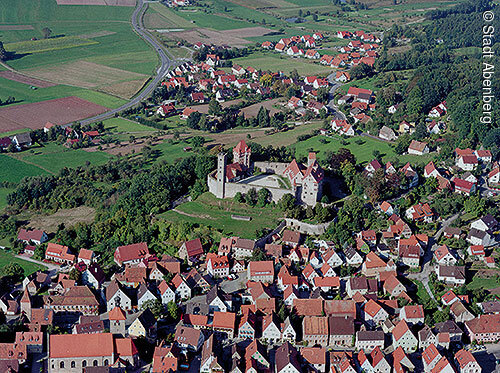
column 427, row 268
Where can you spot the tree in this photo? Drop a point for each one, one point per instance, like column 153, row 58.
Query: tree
column 198, row 141
column 251, row 197
column 75, row 275
column 266, row 80
column 155, row 306
column 258, row 255
column 286, row 203
column 263, row 197
column 15, row 271
column 214, row 107
column 173, row 310
column 238, row 197
column 46, row 32
column 315, row 17
column 3, row 52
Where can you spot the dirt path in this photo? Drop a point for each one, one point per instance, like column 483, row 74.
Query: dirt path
column 192, row 215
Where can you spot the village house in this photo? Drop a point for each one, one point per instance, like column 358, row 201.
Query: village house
column 191, row 250
column 262, row 271
column 451, row 274
column 315, row 330
column 217, row 265
column 33, row 236
column 131, row 254
column 59, row 254
column 418, row 148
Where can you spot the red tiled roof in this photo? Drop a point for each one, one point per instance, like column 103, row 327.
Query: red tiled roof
column 80, row 345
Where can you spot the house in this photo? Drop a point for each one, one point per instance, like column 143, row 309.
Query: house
column 451, row 328
column 295, row 102
column 315, row 357
column 262, row 271
column 352, row 257
column 93, row 276
column 223, row 324
column 117, row 297
column 393, row 286
column 438, row 110
column 387, row 133
column 166, row 109
column 333, row 259
column 223, row 94
column 485, row 224
column 341, row 331
column 368, row 340
column 444, row 256
column 476, row 252
column 287, row 359
column 430, row 357
column 144, row 294
column 466, row 362
column 279, row 47
column 181, row 288
column 21, row 140
column 386, row 208
column 246, row 327
column 420, row 213
column 374, row 314
column 315, row 330
column 418, row 148
column 131, row 254
column 85, row 256
column 217, row 265
column 403, row 337
column 426, row 337
column 494, row 177
column 74, row 352
column 430, row 170
column 291, row 238
column 312, row 54
column 478, row 237
column 374, row 265
column 467, row 162
column 451, row 274
column 267, row 45
column 33, row 236
column 59, row 254
column 198, row 97
column 460, row 313
column 410, row 174
column 166, row 292
column 188, row 339
column 187, row 112
column 484, row 328
column 215, row 300
column 243, row 248
column 463, row 186
column 143, row 326
column 413, row 315
column 271, row 331
column 191, row 250
column 342, row 76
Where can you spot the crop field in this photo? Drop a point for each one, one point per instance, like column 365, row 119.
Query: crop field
column 209, row 211
column 97, row 2
column 168, row 18
column 273, row 62
column 58, row 111
column 97, row 35
column 256, row 4
column 16, row 77
column 6, row 257
column 14, row 170
column 214, row 21
column 208, row 36
column 85, row 74
column 45, row 45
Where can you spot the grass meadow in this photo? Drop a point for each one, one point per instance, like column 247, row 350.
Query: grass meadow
column 209, row 211
column 6, row 257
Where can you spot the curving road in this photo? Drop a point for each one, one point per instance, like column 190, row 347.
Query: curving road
column 166, row 62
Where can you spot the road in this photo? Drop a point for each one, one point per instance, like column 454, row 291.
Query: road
column 166, row 61
column 331, row 104
column 427, row 269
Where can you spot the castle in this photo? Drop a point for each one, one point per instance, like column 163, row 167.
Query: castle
column 303, row 182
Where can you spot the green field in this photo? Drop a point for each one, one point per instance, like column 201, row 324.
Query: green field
column 272, row 61
column 45, row 45
column 121, row 125
column 14, row 170
column 485, row 283
column 98, row 34
column 209, row 211
column 25, row 95
column 3, row 197
column 171, row 152
column 362, row 151
column 171, row 18
column 7, row 257
column 53, row 157
column 213, row 21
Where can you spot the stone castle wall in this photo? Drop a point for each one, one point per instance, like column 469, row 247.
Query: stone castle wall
column 277, row 168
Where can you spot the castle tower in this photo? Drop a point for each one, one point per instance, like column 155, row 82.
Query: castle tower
column 117, row 321
column 220, row 190
column 311, row 159
column 26, row 304
column 242, row 153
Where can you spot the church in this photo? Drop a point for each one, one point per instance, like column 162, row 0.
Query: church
column 305, row 182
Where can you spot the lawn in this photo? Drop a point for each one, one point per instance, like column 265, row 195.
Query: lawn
column 14, row 170
column 121, row 125
column 209, row 211
column 6, row 257
column 171, row 152
column 272, row 61
column 485, row 283
column 3, row 197
column 361, row 147
column 171, row 18
column 53, row 157
column 289, row 137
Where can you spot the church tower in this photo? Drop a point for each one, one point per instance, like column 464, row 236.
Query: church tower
column 26, row 304
column 220, row 190
column 241, row 154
